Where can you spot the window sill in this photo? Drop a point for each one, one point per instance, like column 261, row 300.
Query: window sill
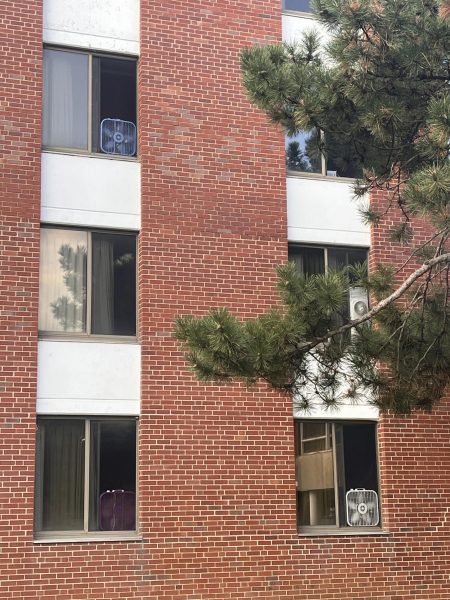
column 342, row 532
column 66, row 537
column 87, row 154
column 319, row 177
column 68, row 337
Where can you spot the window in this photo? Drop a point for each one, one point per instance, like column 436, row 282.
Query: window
column 297, row 5
column 314, row 153
column 85, row 475
column 89, row 102
column 87, row 282
column 337, row 474
column 313, row 260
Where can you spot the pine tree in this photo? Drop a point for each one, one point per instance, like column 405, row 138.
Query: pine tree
column 381, row 88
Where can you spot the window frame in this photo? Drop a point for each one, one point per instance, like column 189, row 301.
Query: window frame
column 323, row 163
column 88, row 335
column 326, row 248
column 85, row 534
column 88, row 150
column 337, row 529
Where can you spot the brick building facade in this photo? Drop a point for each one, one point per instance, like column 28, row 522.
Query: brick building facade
column 202, row 211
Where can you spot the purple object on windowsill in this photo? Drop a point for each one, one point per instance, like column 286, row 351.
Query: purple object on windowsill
column 117, row 511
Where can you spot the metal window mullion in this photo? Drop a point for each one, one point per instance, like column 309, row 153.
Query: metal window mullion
column 89, row 284
column 325, row 259
column 89, row 107
column 87, row 452
column 322, row 154
column 335, row 476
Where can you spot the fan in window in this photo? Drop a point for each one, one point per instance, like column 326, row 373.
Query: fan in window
column 362, row 508
column 118, row 137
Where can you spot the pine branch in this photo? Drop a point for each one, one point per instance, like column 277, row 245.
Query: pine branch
column 380, row 306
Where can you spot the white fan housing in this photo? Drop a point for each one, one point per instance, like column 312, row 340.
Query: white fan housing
column 362, row 508
column 118, row 137
column 359, row 303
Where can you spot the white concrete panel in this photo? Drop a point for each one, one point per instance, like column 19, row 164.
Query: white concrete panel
column 88, row 378
column 346, row 410
column 110, row 25
column 90, row 191
column 324, row 211
column 293, row 27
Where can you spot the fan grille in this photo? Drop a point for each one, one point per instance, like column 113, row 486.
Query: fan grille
column 362, row 508
column 118, row 137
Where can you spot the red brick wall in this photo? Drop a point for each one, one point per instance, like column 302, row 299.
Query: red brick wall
column 216, row 477
column 20, row 109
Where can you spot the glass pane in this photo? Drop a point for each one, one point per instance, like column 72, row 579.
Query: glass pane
column 359, row 460
column 342, row 158
column 62, row 280
column 315, row 477
column 65, row 112
column 314, row 429
column 113, row 284
column 62, row 476
column 314, row 445
column 298, row 5
column 115, row 98
column 303, row 152
column 309, row 261
column 112, row 501
column 356, row 257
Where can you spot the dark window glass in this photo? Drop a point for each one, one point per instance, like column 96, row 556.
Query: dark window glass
column 309, row 261
column 297, row 5
column 341, row 158
column 113, row 476
column 114, row 95
column 113, row 284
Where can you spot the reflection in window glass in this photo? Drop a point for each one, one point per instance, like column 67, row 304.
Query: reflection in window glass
column 62, row 280
column 87, row 282
column 297, row 5
column 303, row 152
column 65, row 109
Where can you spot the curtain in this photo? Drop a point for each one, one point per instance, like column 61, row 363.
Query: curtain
column 309, row 261
column 102, row 285
column 65, row 113
column 63, row 474
column 62, row 280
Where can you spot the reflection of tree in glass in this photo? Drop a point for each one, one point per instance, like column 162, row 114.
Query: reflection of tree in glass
column 69, row 310
column 341, row 157
column 295, row 160
column 313, row 149
column 308, row 161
